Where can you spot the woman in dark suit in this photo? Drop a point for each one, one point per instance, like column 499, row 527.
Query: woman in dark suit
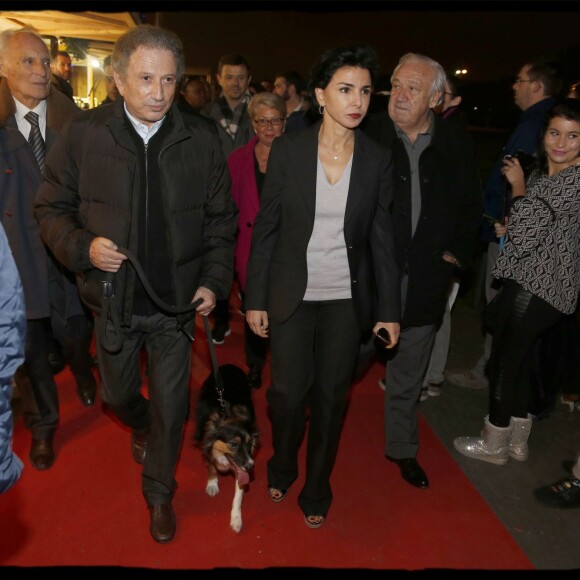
column 322, row 271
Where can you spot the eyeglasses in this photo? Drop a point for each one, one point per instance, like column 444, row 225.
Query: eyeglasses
column 450, row 94
column 518, row 81
column 274, row 121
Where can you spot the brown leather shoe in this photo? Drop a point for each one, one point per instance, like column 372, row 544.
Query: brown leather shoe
column 139, row 445
column 41, row 452
column 87, row 390
column 162, row 526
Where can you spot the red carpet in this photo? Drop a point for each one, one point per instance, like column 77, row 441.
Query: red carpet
column 87, row 510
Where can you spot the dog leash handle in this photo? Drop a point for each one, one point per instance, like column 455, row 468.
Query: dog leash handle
column 219, row 383
column 182, row 313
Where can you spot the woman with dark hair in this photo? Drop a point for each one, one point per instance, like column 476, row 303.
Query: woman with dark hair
column 539, row 267
column 248, row 166
column 322, row 272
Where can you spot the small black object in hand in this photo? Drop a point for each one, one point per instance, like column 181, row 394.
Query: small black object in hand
column 526, row 160
column 383, row 336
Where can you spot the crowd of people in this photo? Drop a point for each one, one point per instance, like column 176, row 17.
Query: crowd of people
column 341, row 221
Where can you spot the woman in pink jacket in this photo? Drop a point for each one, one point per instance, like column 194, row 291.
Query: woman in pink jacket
column 247, row 168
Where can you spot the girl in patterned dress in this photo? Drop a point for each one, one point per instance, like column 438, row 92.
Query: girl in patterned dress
column 539, row 267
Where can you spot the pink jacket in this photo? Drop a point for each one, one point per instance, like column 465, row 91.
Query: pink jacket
column 245, row 194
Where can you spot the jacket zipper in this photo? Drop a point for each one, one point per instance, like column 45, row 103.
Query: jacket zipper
column 146, row 241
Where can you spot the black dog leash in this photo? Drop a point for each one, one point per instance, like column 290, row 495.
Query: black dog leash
column 219, row 381
column 183, row 315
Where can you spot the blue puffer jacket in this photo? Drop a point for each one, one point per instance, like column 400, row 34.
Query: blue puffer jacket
column 12, row 332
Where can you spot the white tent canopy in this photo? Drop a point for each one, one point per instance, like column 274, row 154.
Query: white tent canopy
column 99, row 28
column 97, row 33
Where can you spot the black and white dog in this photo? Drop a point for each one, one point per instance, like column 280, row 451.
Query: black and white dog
column 227, row 435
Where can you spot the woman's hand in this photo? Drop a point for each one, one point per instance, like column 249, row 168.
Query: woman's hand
column 258, row 322
column 514, row 174
column 501, row 230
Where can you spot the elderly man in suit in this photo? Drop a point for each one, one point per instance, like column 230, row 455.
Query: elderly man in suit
column 52, row 302
column 436, row 212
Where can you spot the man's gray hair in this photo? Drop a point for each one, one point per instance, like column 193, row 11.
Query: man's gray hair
column 438, row 71
column 7, row 35
column 149, row 36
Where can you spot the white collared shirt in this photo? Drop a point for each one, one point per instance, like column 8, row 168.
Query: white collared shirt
column 144, row 132
column 23, row 124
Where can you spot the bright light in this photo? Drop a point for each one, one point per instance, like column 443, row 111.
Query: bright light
column 95, row 63
column 461, row 71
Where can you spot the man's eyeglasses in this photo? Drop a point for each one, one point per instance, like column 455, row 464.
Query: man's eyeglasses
column 450, row 94
column 518, row 81
column 274, row 121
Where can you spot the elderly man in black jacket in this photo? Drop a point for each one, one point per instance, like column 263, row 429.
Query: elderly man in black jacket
column 141, row 175
column 53, row 308
column 436, row 212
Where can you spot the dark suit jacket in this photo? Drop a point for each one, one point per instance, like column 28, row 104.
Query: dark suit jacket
column 62, row 86
column 277, row 270
column 19, row 189
column 451, row 211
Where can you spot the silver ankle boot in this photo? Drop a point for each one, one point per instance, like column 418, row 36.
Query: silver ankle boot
column 490, row 446
column 518, row 442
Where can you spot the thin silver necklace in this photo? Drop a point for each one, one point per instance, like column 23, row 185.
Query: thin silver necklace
column 335, row 157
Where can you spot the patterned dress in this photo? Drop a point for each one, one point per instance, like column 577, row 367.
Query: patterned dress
column 542, row 248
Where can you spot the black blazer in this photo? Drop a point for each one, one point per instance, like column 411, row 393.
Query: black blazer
column 277, row 270
column 451, row 211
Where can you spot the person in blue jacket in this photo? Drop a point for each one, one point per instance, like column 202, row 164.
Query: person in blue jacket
column 12, row 331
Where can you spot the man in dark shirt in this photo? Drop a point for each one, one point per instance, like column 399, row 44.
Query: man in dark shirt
column 142, row 148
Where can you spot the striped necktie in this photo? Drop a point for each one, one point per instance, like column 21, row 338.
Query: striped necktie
column 35, row 139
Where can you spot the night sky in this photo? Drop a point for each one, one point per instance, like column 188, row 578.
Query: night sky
column 491, row 44
column 490, row 39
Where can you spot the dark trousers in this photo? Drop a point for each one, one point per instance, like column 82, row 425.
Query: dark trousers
column 313, row 357
column 36, row 383
column 164, row 411
column 255, row 347
column 406, row 368
column 522, row 318
column 221, row 312
column 76, row 342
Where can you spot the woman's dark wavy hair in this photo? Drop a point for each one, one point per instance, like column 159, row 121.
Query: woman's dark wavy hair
column 357, row 55
column 565, row 108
